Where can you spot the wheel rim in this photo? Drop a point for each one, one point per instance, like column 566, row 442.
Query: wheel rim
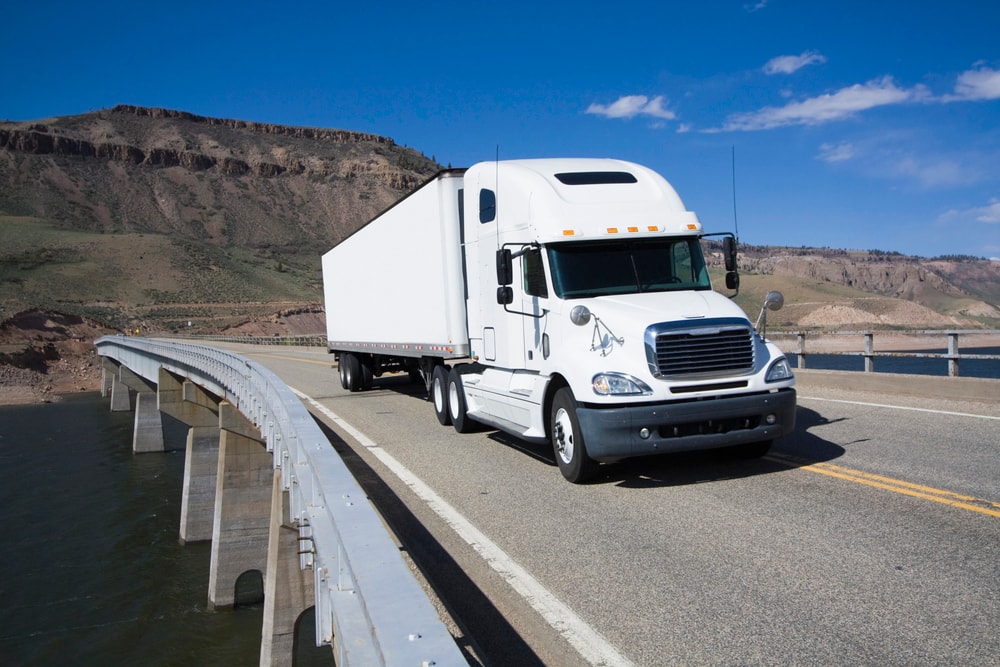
column 453, row 405
column 438, row 392
column 563, row 435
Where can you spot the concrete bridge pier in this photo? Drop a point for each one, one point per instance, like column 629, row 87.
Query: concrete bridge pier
column 147, row 434
column 241, row 520
column 111, row 383
column 199, row 410
column 288, row 589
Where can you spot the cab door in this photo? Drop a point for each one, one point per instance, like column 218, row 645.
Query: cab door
column 534, row 300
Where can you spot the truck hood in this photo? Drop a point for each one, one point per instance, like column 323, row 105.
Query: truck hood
column 654, row 307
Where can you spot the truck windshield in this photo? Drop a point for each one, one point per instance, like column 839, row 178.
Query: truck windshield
column 588, row 269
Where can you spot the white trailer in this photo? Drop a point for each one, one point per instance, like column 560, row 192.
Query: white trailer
column 560, row 300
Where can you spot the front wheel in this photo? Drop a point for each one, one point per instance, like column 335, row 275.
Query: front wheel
column 568, row 441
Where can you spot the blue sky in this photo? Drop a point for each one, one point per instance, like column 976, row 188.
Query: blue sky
column 868, row 125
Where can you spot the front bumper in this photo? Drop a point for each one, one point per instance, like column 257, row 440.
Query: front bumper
column 613, row 433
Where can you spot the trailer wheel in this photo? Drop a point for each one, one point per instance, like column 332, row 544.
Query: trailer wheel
column 367, row 373
column 457, row 408
column 439, row 394
column 350, row 372
column 342, row 370
column 567, row 440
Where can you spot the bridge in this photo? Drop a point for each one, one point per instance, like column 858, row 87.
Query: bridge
column 262, row 482
column 868, row 536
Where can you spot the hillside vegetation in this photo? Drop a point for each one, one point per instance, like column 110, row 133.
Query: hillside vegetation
column 163, row 220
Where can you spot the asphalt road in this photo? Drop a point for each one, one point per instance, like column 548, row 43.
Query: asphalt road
column 869, row 536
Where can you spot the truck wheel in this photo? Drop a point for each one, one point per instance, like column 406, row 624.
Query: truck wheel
column 567, row 439
column 457, row 408
column 439, row 394
column 350, row 372
column 367, row 374
column 342, row 370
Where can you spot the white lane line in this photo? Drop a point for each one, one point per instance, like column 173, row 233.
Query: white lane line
column 899, row 407
column 591, row 645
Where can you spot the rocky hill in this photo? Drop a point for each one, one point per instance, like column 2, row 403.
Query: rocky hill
column 876, row 289
column 158, row 219
column 227, row 182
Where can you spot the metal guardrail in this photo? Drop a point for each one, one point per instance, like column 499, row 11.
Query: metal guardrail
column 312, row 340
column 365, row 594
column 868, row 352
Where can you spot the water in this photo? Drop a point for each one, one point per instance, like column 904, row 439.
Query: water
column 93, row 573
column 977, row 368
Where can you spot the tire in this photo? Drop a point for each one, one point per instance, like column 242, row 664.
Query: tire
column 568, row 443
column 350, row 372
column 457, row 408
column 439, row 395
column 342, row 371
column 367, row 374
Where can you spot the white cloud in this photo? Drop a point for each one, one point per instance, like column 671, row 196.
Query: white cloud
column 989, row 214
column 631, row 106
column 825, row 108
column 976, row 84
column 836, row 152
column 761, row 4
column 942, row 172
column 789, row 64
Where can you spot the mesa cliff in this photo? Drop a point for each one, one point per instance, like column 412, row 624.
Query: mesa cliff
column 227, row 181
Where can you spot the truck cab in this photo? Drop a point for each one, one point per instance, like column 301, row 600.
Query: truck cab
column 593, row 322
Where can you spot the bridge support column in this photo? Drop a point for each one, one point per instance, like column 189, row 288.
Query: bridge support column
column 187, row 402
column 288, row 589
column 120, row 399
column 109, row 371
column 201, row 468
column 147, row 435
column 242, row 507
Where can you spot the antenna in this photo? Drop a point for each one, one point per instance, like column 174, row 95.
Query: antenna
column 736, row 223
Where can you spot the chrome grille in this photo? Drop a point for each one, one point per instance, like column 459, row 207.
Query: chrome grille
column 710, row 351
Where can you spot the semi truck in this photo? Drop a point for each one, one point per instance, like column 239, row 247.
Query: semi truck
column 564, row 301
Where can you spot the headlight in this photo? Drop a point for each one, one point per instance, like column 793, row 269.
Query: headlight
column 779, row 370
column 619, row 384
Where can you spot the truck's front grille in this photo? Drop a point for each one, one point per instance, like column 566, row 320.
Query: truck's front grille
column 711, row 350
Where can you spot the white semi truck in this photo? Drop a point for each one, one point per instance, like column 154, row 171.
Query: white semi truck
column 558, row 300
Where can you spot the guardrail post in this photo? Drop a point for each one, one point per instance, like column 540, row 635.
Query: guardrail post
column 953, row 353
column 869, row 352
column 800, row 354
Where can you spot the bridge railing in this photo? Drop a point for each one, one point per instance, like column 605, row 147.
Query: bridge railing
column 862, row 344
column 365, row 594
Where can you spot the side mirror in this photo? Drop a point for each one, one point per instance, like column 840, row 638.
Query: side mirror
column 505, row 267
column 505, row 295
column 733, row 280
column 774, row 300
column 729, row 251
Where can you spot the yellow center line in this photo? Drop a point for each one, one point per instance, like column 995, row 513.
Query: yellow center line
column 942, row 496
column 304, row 361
